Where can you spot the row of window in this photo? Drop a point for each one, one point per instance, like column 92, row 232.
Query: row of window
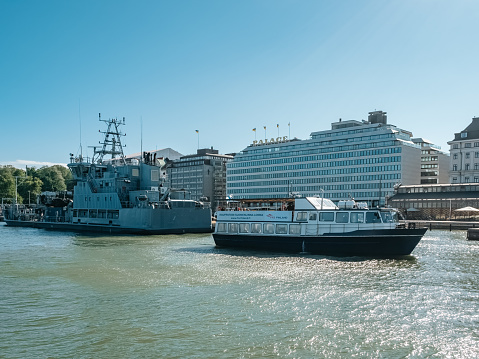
column 429, row 159
column 335, row 179
column 423, row 204
column 466, row 180
column 96, row 213
column 282, row 192
column 467, row 144
column 329, row 187
column 347, row 217
column 467, row 155
column 269, row 228
column 467, row 167
column 324, row 134
column 442, row 189
column 337, row 171
column 317, row 163
column 429, row 166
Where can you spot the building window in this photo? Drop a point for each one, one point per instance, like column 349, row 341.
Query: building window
column 466, row 179
column 467, row 145
column 468, row 154
column 454, row 179
column 454, row 167
column 455, row 146
column 455, row 156
column 467, row 166
column 463, row 134
column 476, row 166
column 476, row 179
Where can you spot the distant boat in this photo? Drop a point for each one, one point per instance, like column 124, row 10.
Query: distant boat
column 116, row 195
column 318, row 226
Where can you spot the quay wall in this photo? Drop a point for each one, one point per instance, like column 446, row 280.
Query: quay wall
column 449, row 225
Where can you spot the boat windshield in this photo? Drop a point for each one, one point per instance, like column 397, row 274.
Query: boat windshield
column 389, row 216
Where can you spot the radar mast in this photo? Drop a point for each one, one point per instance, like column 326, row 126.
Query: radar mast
column 112, row 141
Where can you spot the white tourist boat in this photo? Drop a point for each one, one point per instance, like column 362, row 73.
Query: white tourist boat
column 317, row 225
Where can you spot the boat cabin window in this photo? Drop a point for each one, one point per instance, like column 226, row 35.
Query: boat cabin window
column 342, row 217
column 302, row 216
column 281, row 229
column 389, row 217
column 357, row 217
column 244, row 227
column 312, row 216
column 326, row 216
column 268, row 228
column 255, row 227
column 294, row 229
column 221, row 227
column 373, row 217
column 232, row 227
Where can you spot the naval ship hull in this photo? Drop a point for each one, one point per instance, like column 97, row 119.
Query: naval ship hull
column 133, row 221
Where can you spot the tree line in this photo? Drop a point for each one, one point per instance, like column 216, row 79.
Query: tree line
column 31, row 182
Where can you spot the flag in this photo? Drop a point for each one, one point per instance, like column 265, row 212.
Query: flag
column 265, row 127
column 197, row 131
column 277, row 125
column 289, row 123
column 254, row 129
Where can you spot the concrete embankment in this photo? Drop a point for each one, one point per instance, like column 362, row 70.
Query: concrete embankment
column 448, row 225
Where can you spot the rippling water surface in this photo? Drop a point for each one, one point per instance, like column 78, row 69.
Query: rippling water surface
column 65, row 295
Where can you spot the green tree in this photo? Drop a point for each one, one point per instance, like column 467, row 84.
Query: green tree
column 67, row 176
column 29, row 188
column 52, row 179
column 7, row 182
column 32, row 182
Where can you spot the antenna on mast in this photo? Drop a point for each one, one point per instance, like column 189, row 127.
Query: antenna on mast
column 79, row 119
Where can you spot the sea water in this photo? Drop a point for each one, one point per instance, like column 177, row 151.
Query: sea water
column 65, row 295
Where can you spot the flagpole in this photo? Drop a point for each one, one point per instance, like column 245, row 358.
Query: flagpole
column 289, row 130
column 265, row 133
column 198, row 132
column 278, row 128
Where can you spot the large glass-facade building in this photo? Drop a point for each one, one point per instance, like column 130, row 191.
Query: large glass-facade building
column 359, row 159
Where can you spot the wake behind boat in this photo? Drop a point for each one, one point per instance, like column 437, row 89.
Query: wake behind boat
column 116, row 195
column 318, row 226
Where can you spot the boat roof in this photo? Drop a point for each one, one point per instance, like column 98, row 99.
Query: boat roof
column 314, row 203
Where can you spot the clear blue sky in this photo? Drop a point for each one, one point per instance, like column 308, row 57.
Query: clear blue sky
column 225, row 67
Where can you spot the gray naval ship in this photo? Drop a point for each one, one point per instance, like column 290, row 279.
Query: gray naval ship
column 116, row 195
